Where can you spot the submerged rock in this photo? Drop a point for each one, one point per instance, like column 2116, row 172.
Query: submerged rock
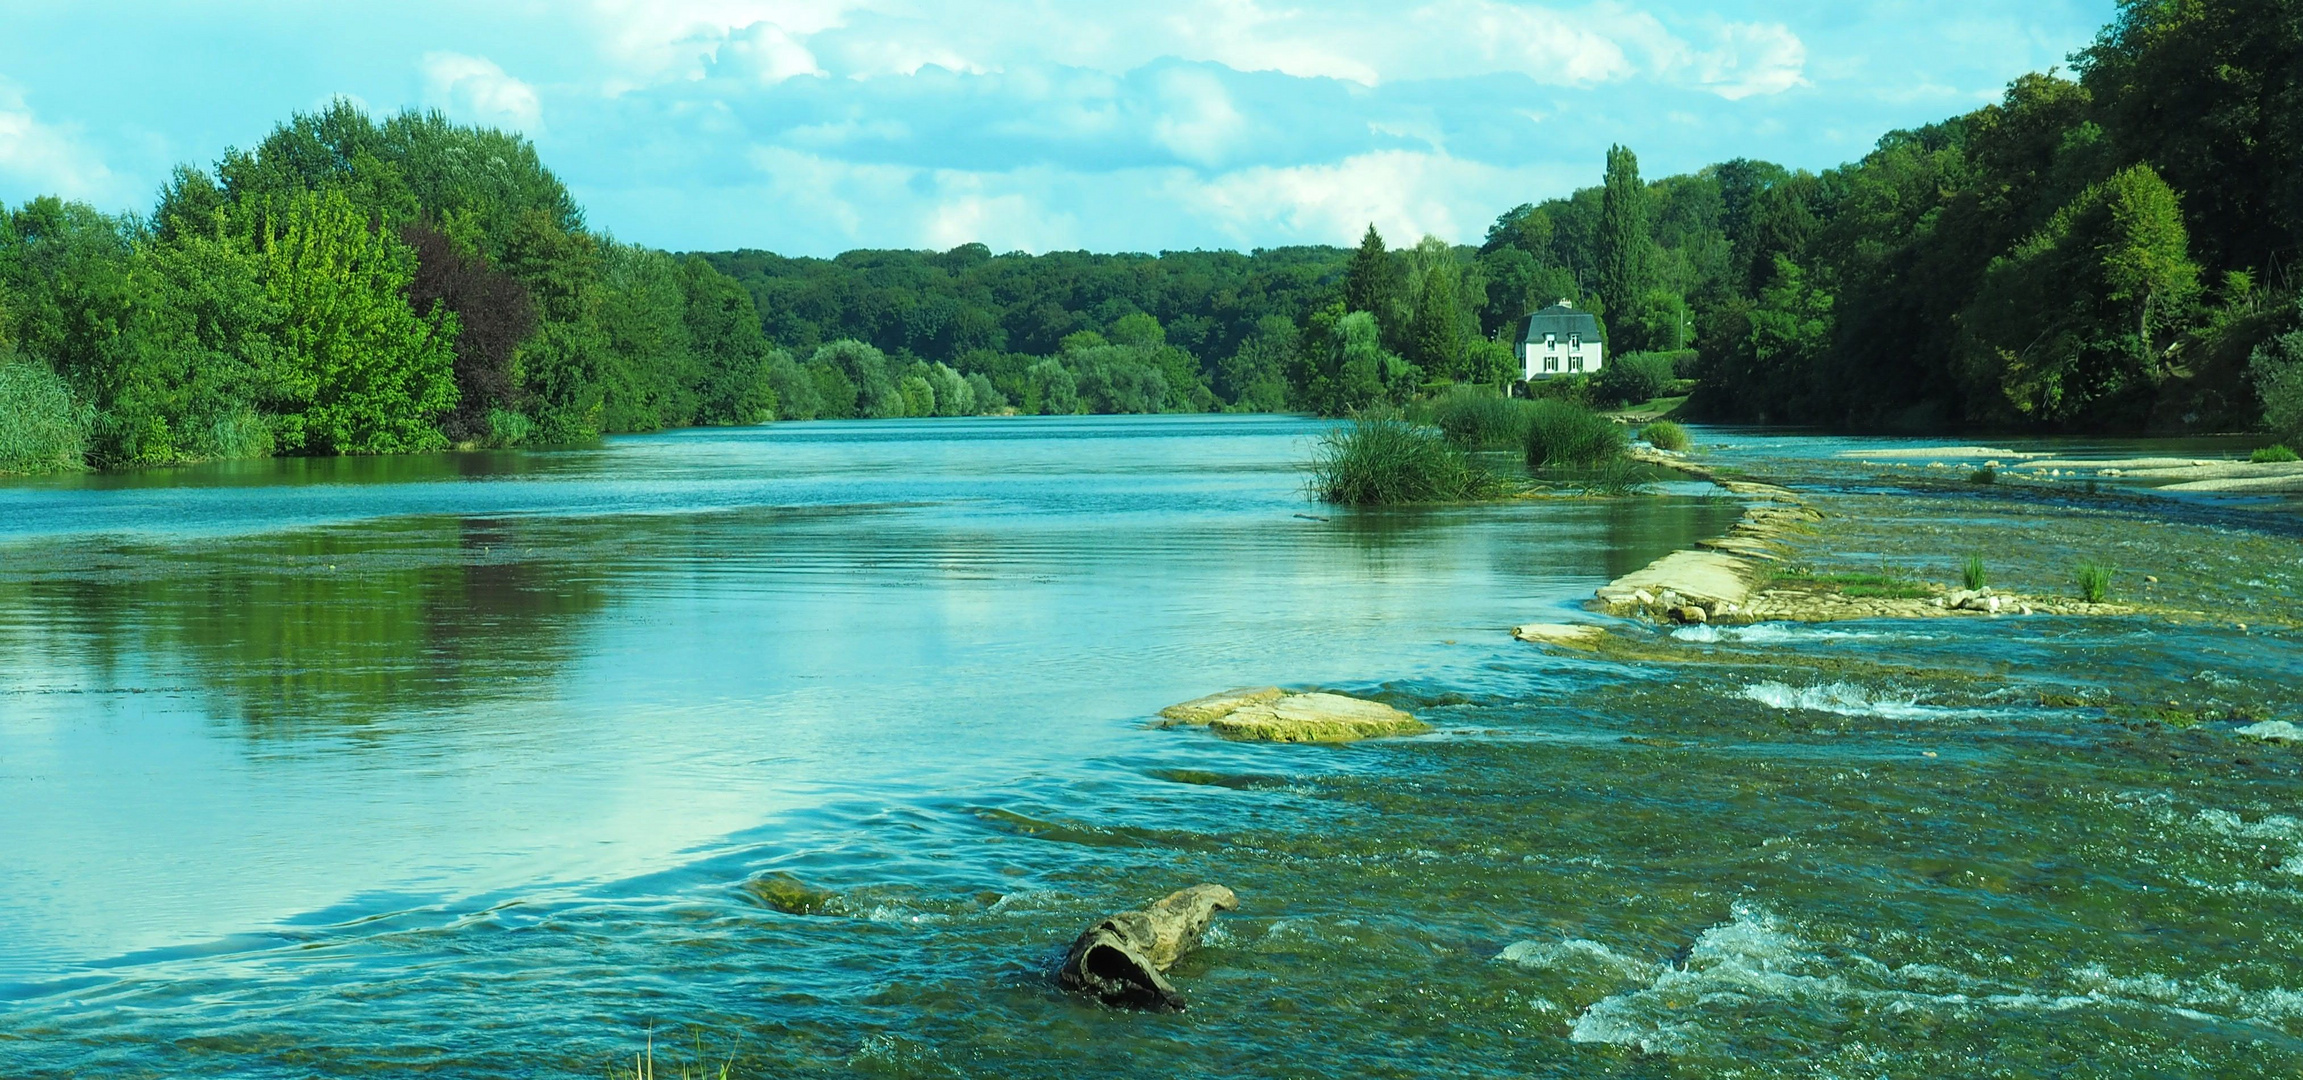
column 1201, row 710
column 790, row 895
column 1120, row 960
column 1316, row 718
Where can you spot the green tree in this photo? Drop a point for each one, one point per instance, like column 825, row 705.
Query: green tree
column 1374, row 283
column 1626, row 248
column 365, row 374
column 731, row 354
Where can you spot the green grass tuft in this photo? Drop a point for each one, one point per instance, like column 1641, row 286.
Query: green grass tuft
column 1380, row 461
column 1974, row 575
column 1665, row 435
column 2272, row 455
column 41, row 428
column 1984, row 475
column 1619, row 477
column 1560, row 433
column 2094, row 581
column 1479, row 418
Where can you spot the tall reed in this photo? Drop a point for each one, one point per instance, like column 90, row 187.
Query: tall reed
column 41, row 428
column 1381, row 460
column 1561, row 434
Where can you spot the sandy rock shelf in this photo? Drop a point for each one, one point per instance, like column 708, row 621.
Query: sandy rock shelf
column 1267, row 714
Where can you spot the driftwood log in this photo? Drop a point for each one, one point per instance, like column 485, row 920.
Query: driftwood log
column 1119, row 961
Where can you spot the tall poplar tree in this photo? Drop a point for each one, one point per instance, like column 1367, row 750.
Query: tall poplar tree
column 1371, row 283
column 1626, row 249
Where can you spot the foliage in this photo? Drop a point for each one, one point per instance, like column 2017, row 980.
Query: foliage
column 1973, row 574
column 1617, row 478
column 1625, row 241
column 1985, row 476
column 2277, row 370
column 1665, row 435
column 1480, row 419
column 2094, row 581
column 2272, row 455
column 1563, row 434
column 1632, row 378
column 41, row 428
column 1383, row 460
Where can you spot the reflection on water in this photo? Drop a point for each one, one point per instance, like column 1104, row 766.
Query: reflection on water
column 456, row 766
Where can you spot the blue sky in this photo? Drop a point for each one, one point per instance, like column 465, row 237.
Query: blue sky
column 815, row 126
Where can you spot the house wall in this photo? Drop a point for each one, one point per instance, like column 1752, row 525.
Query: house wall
column 1533, row 354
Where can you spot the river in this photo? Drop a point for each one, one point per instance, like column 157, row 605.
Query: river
column 460, row 764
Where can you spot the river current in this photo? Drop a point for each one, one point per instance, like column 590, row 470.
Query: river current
column 460, row 765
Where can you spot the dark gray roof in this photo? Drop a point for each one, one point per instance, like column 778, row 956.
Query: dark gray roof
column 1562, row 320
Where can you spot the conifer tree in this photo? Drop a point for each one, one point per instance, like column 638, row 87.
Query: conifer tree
column 1626, row 256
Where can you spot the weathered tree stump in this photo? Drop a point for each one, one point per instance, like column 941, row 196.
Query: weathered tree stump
column 1119, row 961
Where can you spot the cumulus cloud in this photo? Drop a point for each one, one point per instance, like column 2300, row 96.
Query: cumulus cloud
column 474, row 89
column 42, row 158
column 1752, row 58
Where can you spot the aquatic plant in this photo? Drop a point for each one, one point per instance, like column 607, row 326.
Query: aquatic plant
column 1382, row 460
column 1665, row 435
column 1618, row 477
column 41, row 429
column 2272, row 455
column 1563, row 434
column 1479, row 418
column 1973, row 575
column 2094, row 581
column 1984, row 475
column 643, row 1065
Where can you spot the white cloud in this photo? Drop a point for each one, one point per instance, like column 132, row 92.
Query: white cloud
column 1751, row 59
column 44, row 159
column 474, row 89
column 1197, row 122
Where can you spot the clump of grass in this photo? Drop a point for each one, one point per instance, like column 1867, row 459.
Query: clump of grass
column 41, row 428
column 643, row 1065
column 1380, row 460
column 1864, row 586
column 1665, row 435
column 2272, row 455
column 1618, row 477
column 1479, row 418
column 2094, row 581
column 1560, row 433
column 1984, row 475
column 1974, row 575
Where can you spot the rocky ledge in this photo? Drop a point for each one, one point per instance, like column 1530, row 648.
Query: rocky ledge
column 1268, row 714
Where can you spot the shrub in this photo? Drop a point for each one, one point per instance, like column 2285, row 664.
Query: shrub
column 1375, row 461
column 1973, row 575
column 1985, row 475
column 1665, row 435
column 2094, row 581
column 1563, row 434
column 1632, row 378
column 41, row 428
column 2271, row 455
column 1480, row 419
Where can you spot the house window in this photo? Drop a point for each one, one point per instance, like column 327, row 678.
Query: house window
column 1575, row 342
column 1551, row 363
column 1575, row 364
column 1551, row 341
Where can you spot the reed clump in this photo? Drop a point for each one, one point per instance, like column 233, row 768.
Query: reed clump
column 1974, row 575
column 1563, row 434
column 41, row 428
column 1665, row 435
column 1386, row 460
column 2094, row 581
column 1477, row 418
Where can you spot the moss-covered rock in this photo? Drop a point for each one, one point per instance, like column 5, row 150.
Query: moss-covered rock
column 1201, row 710
column 1316, row 718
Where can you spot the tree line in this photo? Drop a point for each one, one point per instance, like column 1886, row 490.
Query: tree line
column 2105, row 251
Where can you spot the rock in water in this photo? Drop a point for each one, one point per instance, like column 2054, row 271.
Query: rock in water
column 1214, row 706
column 1564, row 635
column 1119, row 961
column 1316, row 718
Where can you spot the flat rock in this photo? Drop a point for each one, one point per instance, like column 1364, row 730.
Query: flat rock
column 1215, row 706
column 2274, row 731
column 1315, row 718
column 1564, row 635
column 1707, row 577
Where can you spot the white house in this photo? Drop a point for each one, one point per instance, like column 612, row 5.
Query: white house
column 1561, row 340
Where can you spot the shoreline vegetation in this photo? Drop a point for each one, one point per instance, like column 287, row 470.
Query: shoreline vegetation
column 2102, row 253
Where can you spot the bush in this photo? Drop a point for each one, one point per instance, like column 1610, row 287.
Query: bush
column 1480, row 419
column 1633, row 378
column 1985, row 475
column 1665, row 435
column 2094, row 581
column 2272, row 455
column 1375, row 461
column 41, row 429
column 1562, row 434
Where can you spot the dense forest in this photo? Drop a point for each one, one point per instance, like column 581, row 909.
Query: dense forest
column 2110, row 251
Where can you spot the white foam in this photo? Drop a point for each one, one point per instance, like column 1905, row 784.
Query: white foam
column 1775, row 633
column 1577, row 954
column 1842, row 699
